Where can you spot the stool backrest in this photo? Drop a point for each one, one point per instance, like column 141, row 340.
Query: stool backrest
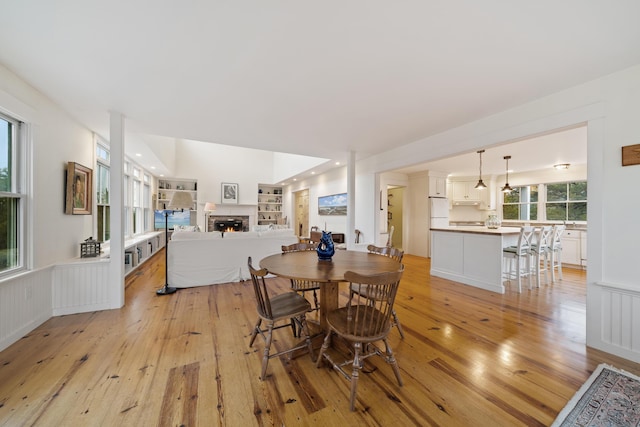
column 558, row 229
column 525, row 240
column 544, row 237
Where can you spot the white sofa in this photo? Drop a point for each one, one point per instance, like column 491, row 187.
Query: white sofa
column 200, row 259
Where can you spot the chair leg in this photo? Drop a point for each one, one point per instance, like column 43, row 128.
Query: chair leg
column 560, row 264
column 537, row 267
column 256, row 329
column 518, row 273
column 267, row 347
column 307, row 335
column 315, row 300
column 357, row 365
column 391, row 360
column 397, row 323
column 325, row 346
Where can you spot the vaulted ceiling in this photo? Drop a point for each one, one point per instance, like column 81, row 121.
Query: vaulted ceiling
column 311, row 78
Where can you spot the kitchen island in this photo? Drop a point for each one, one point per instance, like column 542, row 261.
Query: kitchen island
column 471, row 255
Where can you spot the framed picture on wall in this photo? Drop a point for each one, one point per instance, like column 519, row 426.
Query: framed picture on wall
column 335, row 204
column 229, row 193
column 79, row 189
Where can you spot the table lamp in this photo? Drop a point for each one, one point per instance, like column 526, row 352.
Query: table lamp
column 208, row 207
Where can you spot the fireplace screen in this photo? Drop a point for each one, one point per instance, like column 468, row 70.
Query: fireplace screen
column 227, row 225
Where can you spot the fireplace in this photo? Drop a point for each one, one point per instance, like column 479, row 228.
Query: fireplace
column 228, row 223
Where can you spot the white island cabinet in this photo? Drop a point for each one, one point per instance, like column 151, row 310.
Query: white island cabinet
column 471, row 255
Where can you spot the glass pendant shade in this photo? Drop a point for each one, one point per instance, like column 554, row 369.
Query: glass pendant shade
column 480, row 185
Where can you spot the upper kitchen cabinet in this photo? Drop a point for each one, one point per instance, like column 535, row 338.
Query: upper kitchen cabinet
column 465, row 193
column 437, row 184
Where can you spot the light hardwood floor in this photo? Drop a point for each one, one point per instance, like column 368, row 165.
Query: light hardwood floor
column 470, row 357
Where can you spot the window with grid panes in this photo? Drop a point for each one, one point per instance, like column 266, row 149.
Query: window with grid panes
column 521, row 204
column 12, row 199
column 566, row 201
column 102, row 193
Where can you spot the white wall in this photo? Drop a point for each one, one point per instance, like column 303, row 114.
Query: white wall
column 332, row 182
column 213, row 164
column 53, row 139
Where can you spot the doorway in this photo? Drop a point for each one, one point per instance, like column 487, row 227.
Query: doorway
column 301, row 214
column 395, row 202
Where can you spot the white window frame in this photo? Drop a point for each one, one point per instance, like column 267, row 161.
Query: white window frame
column 19, row 171
column 102, row 163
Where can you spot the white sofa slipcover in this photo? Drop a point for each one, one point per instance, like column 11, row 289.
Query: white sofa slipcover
column 200, row 259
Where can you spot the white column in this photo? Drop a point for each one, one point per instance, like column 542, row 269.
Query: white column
column 351, row 199
column 116, row 206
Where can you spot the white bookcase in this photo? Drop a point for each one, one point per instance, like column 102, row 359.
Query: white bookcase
column 269, row 204
column 168, row 186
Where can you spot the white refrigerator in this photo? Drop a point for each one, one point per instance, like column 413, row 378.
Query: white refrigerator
column 438, row 212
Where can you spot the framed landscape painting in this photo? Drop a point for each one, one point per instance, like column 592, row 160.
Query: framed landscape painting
column 335, row 204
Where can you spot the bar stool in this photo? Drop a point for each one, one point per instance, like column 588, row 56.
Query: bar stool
column 521, row 252
column 541, row 250
column 555, row 251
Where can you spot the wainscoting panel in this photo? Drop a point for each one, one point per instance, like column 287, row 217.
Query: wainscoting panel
column 80, row 287
column 621, row 317
column 25, row 303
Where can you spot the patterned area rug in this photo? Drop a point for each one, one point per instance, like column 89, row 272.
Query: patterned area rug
column 610, row 397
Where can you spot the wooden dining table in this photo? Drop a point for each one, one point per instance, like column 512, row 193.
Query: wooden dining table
column 305, row 265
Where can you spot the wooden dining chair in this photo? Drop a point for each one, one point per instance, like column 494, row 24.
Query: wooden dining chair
column 363, row 322
column 390, row 251
column 301, row 286
column 395, row 254
column 272, row 310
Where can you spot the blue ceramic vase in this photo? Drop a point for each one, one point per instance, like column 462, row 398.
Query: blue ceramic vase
column 325, row 247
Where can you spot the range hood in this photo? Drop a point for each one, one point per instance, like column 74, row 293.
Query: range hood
column 466, row 203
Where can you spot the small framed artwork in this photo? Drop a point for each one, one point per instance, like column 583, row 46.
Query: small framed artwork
column 229, row 193
column 79, row 188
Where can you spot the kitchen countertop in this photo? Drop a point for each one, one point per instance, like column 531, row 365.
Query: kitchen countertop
column 479, row 230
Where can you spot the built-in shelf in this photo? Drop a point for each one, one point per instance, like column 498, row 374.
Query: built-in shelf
column 167, row 187
column 138, row 249
column 269, row 204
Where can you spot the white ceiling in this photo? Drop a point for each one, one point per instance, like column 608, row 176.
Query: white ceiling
column 532, row 154
column 311, row 78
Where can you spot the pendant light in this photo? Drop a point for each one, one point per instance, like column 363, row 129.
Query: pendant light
column 507, row 188
column 480, row 185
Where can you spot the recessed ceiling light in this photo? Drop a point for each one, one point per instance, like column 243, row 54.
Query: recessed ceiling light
column 313, row 173
column 138, row 155
column 337, row 163
column 153, row 167
column 561, row 166
column 295, row 179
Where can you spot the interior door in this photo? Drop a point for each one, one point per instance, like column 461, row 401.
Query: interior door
column 301, row 224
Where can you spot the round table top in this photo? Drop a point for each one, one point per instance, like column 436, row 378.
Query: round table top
column 305, row 265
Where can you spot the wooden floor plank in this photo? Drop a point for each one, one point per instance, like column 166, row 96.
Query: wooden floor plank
column 470, row 357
